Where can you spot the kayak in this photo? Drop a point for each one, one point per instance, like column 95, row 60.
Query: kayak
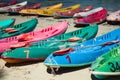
column 35, row 11
column 6, row 23
column 38, row 51
column 19, row 29
column 21, row 40
column 84, row 53
column 105, row 65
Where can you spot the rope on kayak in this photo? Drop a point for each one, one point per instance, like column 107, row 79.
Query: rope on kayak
column 52, row 67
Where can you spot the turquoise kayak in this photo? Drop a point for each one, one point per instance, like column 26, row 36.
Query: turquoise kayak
column 6, row 23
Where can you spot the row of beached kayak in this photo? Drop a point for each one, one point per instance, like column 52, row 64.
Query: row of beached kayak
column 60, row 49
column 87, row 15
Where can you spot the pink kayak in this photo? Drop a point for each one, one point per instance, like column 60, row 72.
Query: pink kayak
column 96, row 17
column 115, row 16
column 34, row 36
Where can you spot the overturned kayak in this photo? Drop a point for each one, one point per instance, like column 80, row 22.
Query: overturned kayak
column 40, row 50
column 84, row 53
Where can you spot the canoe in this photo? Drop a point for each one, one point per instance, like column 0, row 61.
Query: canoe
column 19, row 29
column 52, row 12
column 32, row 6
column 69, row 14
column 114, row 18
column 96, row 17
column 107, row 64
column 21, row 40
column 84, row 53
column 13, row 7
column 6, row 23
column 3, row 4
column 40, row 50
column 34, row 11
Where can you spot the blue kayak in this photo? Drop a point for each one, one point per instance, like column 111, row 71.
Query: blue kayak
column 84, row 53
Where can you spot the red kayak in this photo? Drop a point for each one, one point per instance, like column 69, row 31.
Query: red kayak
column 34, row 36
column 70, row 14
column 92, row 17
column 3, row 4
column 33, row 6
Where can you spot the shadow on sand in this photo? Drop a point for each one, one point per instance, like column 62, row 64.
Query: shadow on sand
column 22, row 63
column 1, row 73
column 107, row 78
column 65, row 69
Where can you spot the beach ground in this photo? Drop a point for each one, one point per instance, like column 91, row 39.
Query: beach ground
column 36, row 70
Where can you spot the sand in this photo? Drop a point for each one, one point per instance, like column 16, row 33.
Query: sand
column 36, row 70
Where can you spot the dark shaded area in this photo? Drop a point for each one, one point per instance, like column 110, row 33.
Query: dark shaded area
column 21, row 63
column 107, row 78
column 65, row 69
column 114, row 22
column 1, row 73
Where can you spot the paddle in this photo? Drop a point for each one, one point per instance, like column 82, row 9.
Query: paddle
column 73, row 39
column 67, row 50
column 10, row 30
column 19, row 45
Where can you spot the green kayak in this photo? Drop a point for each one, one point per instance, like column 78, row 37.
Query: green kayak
column 40, row 50
column 107, row 65
column 24, row 27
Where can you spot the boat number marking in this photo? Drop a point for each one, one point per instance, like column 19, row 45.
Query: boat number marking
column 114, row 66
column 27, row 53
column 68, row 58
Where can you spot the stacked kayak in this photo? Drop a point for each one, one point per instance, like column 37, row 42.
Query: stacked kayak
column 107, row 65
column 70, row 13
column 84, row 53
column 13, row 7
column 19, row 28
column 52, row 12
column 6, row 23
column 23, row 39
column 40, row 50
column 35, row 11
column 97, row 15
column 3, row 4
column 16, row 11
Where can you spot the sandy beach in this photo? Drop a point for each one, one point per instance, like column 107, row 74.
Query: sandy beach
column 36, row 70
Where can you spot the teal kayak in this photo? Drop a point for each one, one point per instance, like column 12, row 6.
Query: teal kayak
column 6, row 23
column 18, row 29
column 40, row 50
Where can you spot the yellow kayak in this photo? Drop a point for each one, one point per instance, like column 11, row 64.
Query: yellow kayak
column 48, row 12
column 34, row 11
